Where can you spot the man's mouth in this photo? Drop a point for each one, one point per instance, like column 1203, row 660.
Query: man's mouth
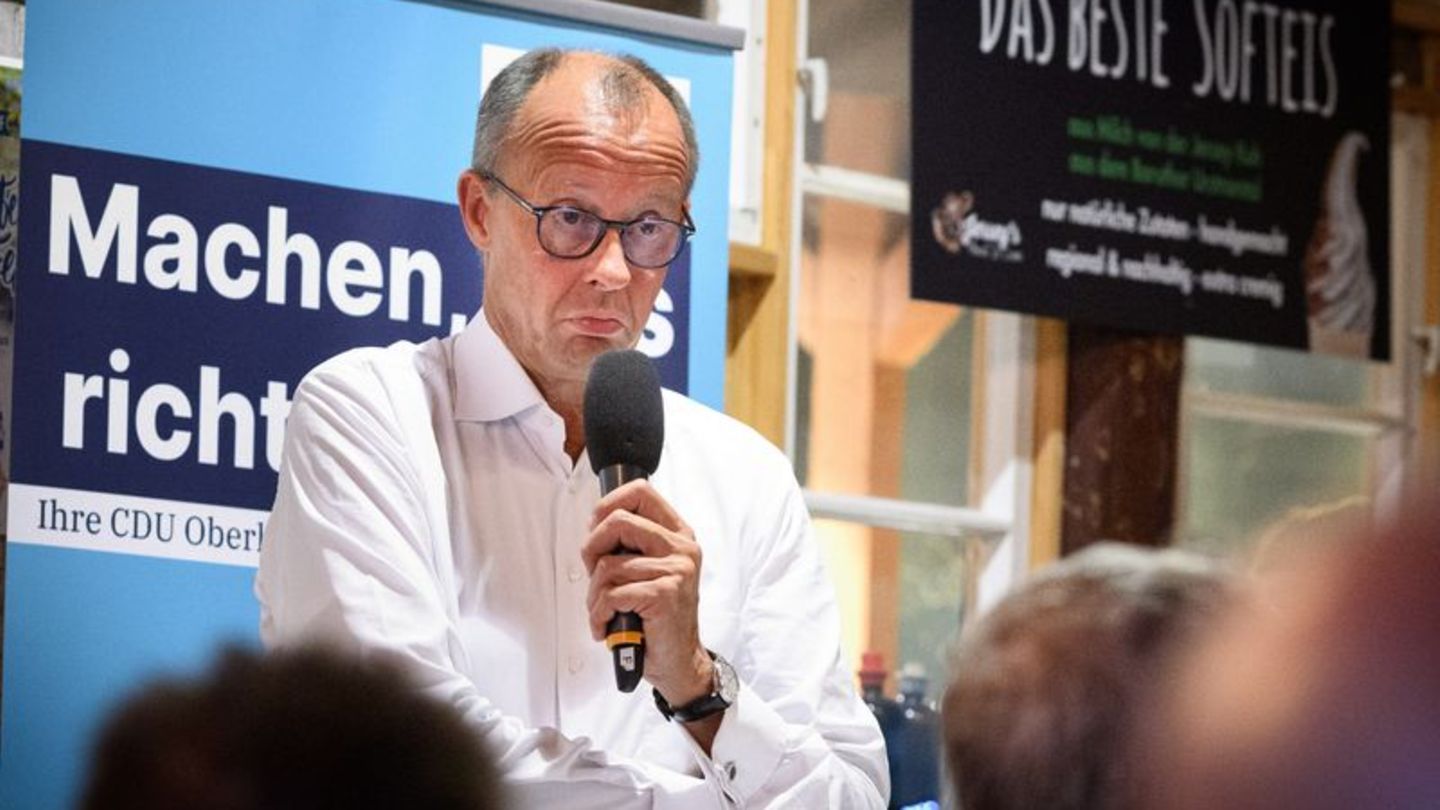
column 598, row 325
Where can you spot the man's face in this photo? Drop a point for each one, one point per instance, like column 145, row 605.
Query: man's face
column 568, row 147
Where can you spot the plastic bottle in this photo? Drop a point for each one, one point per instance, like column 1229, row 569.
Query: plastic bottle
column 914, row 746
column 887, row 712
column 872, row 689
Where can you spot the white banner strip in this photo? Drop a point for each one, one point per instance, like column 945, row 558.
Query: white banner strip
column 126, row 524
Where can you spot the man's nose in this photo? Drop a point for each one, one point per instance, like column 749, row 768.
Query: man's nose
column 611, row 271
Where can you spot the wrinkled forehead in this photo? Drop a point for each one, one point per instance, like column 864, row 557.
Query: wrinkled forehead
column 595, row 108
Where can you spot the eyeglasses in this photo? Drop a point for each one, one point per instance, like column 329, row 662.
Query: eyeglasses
column 567, row 232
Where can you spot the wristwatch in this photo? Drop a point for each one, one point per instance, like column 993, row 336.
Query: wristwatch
column 722, row 695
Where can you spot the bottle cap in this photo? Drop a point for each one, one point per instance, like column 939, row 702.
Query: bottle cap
column 872, row 669
column 913, row 679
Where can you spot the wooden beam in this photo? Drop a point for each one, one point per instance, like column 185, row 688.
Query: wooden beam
column 855, row 284
column 1122, row 429
column 758, row 319
column 886, row 472
column 916, row 332
column 1430, row 393
column 1047, row 487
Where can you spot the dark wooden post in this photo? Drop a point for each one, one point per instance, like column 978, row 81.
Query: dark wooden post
column 1122, row 423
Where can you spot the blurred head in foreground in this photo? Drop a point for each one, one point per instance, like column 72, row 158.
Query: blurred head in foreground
column 1330, row 699
column 1040, row 708
column 1308, row 532
column 302, row 728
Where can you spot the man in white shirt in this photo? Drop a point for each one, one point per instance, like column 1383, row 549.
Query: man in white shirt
column 435, row 502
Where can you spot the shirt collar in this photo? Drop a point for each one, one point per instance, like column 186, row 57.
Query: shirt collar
column 490, row 384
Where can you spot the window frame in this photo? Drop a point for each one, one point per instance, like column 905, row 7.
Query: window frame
column 1002, row 378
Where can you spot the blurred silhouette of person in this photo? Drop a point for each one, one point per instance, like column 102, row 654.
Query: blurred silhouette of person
column 1306, row 532
column 1326, row 697
column 1042, row 697
column 300, row 728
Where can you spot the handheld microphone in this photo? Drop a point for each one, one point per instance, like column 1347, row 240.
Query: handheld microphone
column 624, row 430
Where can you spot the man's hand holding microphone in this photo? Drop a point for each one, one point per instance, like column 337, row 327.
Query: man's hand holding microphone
column 643, row 559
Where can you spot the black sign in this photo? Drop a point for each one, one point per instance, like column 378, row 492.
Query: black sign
column 1210, row 167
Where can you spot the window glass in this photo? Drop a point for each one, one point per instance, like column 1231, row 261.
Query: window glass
column 883, row 382
column 919, row 589
column 865, row 45
column 937, row 457
column 939, row 579
column 1242, row 478
column 1249, row 482
column 1239, row 368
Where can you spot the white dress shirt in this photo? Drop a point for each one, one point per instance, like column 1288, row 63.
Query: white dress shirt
column 426, row 507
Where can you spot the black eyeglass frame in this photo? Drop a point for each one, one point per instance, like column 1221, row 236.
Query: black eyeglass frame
column 687, row 228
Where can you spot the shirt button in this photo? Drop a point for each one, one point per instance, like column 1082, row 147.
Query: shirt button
column 576, row 664
column 730, row 769
column 573, row 574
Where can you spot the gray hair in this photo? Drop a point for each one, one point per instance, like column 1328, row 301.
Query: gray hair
column 1041, row 704
column 622, row 87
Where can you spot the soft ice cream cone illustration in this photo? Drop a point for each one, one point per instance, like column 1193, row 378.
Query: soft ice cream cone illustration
column 1339, row 282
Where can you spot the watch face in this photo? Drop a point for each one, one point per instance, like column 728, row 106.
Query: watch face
column 726, row 684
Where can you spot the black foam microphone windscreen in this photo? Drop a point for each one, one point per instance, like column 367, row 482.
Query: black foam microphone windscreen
column 624, row 431
column 624, row 412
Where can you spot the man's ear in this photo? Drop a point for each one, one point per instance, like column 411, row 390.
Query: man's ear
column 474, row 208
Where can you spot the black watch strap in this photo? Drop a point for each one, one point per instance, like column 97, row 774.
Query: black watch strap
column 722, row 694
column 697, row 709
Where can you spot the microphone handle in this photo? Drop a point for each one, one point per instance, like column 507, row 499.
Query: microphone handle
column 616, row 475
column 624, row 633
column 625, row 637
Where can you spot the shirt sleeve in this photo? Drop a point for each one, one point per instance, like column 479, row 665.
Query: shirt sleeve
column 357, row 556
column 797, row 735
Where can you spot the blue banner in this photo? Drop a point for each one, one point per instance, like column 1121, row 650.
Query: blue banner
column 248, row 191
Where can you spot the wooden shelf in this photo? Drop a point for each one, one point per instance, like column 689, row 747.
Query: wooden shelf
column 753, row 261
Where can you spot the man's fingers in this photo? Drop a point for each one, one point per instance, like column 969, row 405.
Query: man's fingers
column 644, row 598
column 657, row 577
column 622, row 532
column 635, row 533
column 640, row 498
column 622, row 569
